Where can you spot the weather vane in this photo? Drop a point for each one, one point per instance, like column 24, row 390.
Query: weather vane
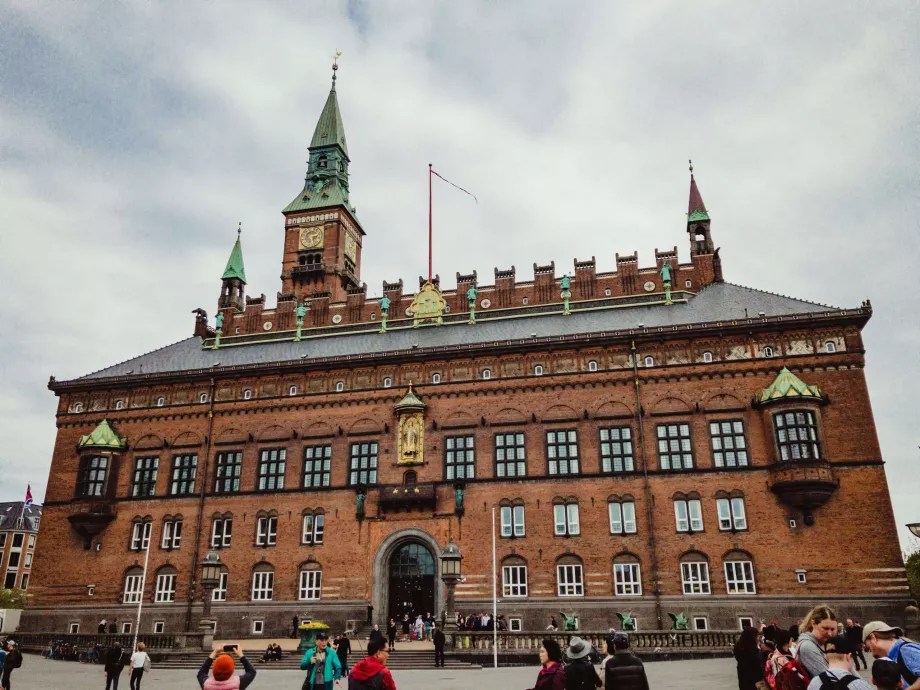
column 239, row 229
column 335, row 59
column 691, row 166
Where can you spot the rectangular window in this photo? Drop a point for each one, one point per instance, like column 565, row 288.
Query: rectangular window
column 510, row 455
column 91, row 476
column 626, row 579
column 159, row 627
column 227, row 472
column 132, row 589
column 616, row 449
column 797, row 436
column 731, row 514
column 140, row 536
column 219, row 593
column 515, row 624
column 313, row 526
column 221, row 533
column 311, row 584
column 745, row 622
column 565, row 518
column 622, row 517
column 267, row 531
column 272, row 462
column 460, row 457
column 512, row 521
column 18, row 540
column 184, row 471
column 126, row 628
column 317, row 466
column 363, row 468
column 569, row 581
column 166, row 588
column 700, row 623
column 562, row 451
column 739, row 577
column 258, row 627
column 2, row 539
column 144, row 480
column 27, row 563
column 14, row 559
column 263, row 585
column 695, row 577
column 514, row 580
column 172, row 534
column 31, row 541
column 675, row 451
column 689, row 515
column 74, row 628
column 729, row 448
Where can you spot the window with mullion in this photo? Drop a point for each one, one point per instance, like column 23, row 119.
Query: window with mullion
column 675, row 451
column 688, row 514
column 514, row 580
column 739, row 577
column 512, row 521
column 510, row 455
column 227, row 471
column 695, row 577
column 314, row 525
column 731, row 514
column 565, row 518
column 317, row 466
column 272, row 462
column 221, row 533
column 616, row 448
column 263, row 585
column 184, row 471
column 363, row 464
column 622, row 517
column 569, row 580
column 797, row 436
column 729, row 447
column 267, row 531
column 219, row 593
column 460, row 457
column 140, row 535
column 172, row 534
column 311, row 585
column 133, row 589
column 91, row 476
column 626, row 579
column 166, row 588
column 144, row 479
column 562, row 451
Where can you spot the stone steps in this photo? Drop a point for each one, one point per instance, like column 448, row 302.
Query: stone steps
column 406, row 660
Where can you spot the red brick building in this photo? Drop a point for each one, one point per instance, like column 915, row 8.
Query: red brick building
column 652, row 440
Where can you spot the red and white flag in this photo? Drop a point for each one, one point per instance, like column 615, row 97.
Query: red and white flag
column 28, row 496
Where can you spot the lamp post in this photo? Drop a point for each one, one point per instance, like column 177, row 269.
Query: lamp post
column 450, row 572
column 210, row 578
column 914, row 528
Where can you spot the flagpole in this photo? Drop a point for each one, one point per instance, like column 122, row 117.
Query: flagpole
column 140, row 603
column 494, row 596
column 429, row 222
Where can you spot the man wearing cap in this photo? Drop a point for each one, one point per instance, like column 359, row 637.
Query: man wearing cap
column 322, row 664
column 884, row 640
column 623, row 670
column 838, row 675
column 580, row 673
column 222, row 667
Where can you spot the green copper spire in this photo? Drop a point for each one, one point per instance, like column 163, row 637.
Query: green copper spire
column 330, row 130
column 788, row 385
column 235, row 262
column 103, row 436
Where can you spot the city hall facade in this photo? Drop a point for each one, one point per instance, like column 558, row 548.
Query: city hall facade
column 650, row 440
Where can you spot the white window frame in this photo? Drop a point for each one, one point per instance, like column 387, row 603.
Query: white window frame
column 161, row 401
column 159, row 627
column 742, row 619
column 696, row 622
column 512, row 521
column 688, row 283
column 565, row 518
column 133, row 589
column 592, row 365
column 311, row 585
column 119, row 404
column 221, row 533
column 515, row 624
column 538, row 370
column 165, row 591
column 263, row 585
column 258, row 627
column 339, row 386
column 203, row 398
column 32, row 540
column 801, row 576
column 219, row 593
column 622, row 516
column 739, row 577
column 732, row 515
column 649, row 361
column 688, row 514
column 292, row 390
column 830, row 347
column 627, row 579
column 27, row 561
column 514, row 581
column 694, row 575
column 767, row 351
column 387, row 382
column 436, row 378
column 707, row 357
column 247, row 394
column 78, row 407
column 570, row 581
column 486, row 374
column 172, row 535
column 74, row 628
column 267, row 531
column 126, row 628
column 314, row 524
column 140, row 535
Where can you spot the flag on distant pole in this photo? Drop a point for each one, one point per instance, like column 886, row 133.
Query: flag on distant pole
column 431, row 172
column 28, row 496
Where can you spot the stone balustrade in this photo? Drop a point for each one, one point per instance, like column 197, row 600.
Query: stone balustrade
column 646, row 641
column 35, row 641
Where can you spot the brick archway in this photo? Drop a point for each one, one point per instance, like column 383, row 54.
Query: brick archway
column 381, row 573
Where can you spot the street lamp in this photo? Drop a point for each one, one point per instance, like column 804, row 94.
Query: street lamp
column 210, row 577
column 451, row 560
column 914, row 528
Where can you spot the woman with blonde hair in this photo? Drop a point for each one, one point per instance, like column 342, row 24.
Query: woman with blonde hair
column 818, row 626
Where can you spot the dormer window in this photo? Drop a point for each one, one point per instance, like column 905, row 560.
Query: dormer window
column 161, row 401
column 707, row 357
column 830, row 347
column 339, row 386
column 247, row 394
column 767, row 351
column 538, row 370
column 649, row 361
column 436, row 378
column 292, row 390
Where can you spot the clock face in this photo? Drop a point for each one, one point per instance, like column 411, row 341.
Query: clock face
column 311, row 238
column 351, row 246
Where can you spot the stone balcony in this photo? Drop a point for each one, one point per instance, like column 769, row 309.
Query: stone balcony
column 804, row 486
column 89, row 519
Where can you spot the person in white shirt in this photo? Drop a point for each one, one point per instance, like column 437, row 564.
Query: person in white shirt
column 138, row 662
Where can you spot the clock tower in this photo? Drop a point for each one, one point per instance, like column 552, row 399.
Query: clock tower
column 322, row 235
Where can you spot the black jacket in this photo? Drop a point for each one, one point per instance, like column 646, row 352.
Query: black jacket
column 115, row 660
column 376, row 636
column 580, row 675
column 438, row 639
column 750, row 670
column 624, row 671
column 343, row 649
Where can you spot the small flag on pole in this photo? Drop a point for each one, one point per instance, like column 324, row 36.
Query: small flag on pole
column 430, row 173
column 28, row 496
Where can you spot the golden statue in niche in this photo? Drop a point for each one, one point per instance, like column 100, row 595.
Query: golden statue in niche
column 410, row 440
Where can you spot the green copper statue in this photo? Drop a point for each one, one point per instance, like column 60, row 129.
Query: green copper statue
column 300, row 312
column 679, row 622
column 627, row 621
column 568, row 621
column 666, row 281
column 566, row 293
column 359, row 505
column 458, row 498
column 471, row 299
column 219, row 323
column 384, row 310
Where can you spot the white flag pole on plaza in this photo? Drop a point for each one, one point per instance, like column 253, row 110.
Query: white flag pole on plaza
column 494, row 596
column 140, row 603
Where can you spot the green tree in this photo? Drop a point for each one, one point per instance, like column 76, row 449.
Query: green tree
column 12, row 598
column 912, row 565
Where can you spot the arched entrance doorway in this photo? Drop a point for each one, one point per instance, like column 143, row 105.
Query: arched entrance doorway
column 412, row 575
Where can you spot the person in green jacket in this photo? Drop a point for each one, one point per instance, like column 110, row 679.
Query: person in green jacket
column 323, row 664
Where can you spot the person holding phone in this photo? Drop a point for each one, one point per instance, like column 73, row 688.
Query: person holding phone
column 221, row 665
column 322, row 665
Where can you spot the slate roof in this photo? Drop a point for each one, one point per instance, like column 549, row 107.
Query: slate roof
column 718, row 302
column 11, row 511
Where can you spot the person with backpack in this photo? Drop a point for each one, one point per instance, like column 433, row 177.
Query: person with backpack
column 886, row 675
column 886, row 641
column 748, row 660
column 371, row 673
column 579, row 671
column 140, row 662
column 839, row 674
column 114, row 664
column 12, row 661
column 779, row 658
column 322, row 665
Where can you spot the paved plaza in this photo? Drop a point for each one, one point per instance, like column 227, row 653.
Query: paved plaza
column 709, row 674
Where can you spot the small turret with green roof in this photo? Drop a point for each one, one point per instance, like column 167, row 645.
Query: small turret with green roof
column 232, row 292
column 788, row 385
column 103, row 436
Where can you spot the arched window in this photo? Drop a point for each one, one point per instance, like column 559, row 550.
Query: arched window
column 570, row 580
column 314, row 524
column 292, row 390
column 133, row 586
column 203, row 398
column 387, row 382
column 565, row 517
column 739, row 573
column 436, row 378
column 78, row 407
column 767, row 351
column 688, row 513
column 649, row 361
column 694, row 573
column 486, row 374
column 410, row 478
column 830, row 347
column 707, row 357
column 119, row 404
column 627, row 576
column 592, row 365
column 247, row 394
column 161, row 401
column 512, row 518
column 263, row 582
column 322, row 162
column 730, row 508
column 172, row 532
column 140, row 533
column 339, row 386
column 266, row 528
column 165, row 589
column 622, row 513
column 514, row 577
column 311, row 582
column 538, row 370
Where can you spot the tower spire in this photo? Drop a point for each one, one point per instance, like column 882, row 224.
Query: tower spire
column 697, row 209
column 698, row 221
column 234, row 277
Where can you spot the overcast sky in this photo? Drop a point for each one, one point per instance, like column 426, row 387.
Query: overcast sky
column 134, row 137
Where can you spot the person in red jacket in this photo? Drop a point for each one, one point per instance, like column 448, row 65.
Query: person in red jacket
column 372, row 673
